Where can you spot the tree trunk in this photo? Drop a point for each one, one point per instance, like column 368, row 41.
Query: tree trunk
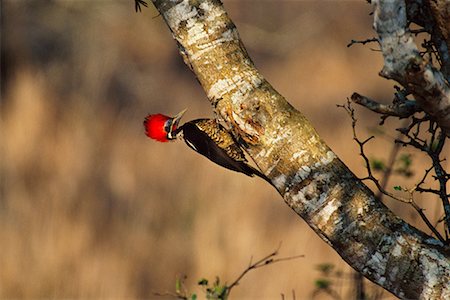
column 307, row 174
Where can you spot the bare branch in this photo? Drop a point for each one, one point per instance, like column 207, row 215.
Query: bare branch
column 398, row 109
column 353, row 42
column 433, row 149
column 172, row 295
column 422, row 181
column 266, row 260
column 427, row 221
column 138, row 3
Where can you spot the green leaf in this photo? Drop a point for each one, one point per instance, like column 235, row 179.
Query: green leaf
column 377, row 164
column 322, row 283
column 325, row 268
column 218, row 290
column 404, row 164
column 406, row 160
column 397, row 188
column 203, row 282
column 194, row 297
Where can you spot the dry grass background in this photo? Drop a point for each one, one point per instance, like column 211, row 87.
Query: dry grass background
column 90, row 208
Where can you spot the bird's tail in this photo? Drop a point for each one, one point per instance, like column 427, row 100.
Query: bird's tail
column 252, row 171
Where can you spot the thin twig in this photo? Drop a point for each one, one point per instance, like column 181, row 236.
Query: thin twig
column 442, row 178
column 353, row 42
column 138, row 3
column 433, row 149
column 168, row 294
column 266, row 260
column 422, row 181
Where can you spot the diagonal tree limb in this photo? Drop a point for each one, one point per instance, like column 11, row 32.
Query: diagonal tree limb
column 307, row 174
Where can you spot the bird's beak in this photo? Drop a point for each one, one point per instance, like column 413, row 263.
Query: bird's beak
column 176, row 120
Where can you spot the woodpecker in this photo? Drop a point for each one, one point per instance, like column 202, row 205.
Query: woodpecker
column 205, row 136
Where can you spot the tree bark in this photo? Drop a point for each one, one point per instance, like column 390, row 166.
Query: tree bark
column 307, row 174
column 403, row 63
column 434, row 16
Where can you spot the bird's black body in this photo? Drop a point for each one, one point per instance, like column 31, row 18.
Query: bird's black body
column 212, row 140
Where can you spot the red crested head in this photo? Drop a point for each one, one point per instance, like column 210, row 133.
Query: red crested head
column 155, row 127
column 161, row 127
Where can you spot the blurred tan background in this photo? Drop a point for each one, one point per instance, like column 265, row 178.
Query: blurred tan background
column 90, row 208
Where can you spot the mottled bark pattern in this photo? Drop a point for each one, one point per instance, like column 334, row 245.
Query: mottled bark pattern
column 309, row 176
column 403, row 63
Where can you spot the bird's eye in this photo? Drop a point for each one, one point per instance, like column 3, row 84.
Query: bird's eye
column 167, row 126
